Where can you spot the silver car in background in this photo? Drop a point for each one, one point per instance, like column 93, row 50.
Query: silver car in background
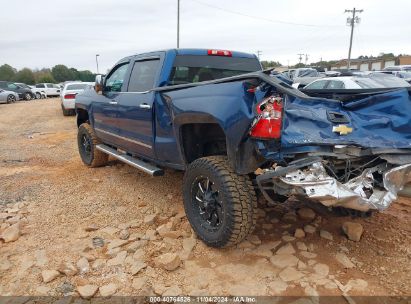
column 8, row 96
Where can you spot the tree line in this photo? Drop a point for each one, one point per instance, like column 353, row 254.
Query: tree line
column 58, row 73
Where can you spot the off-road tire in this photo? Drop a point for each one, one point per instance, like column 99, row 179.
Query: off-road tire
column 238, row 199
column 94, row 158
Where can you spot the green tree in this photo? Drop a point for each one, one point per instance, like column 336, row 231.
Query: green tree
column 86, row 76
column 270, row 64
column 299, row 65
column 46, row 78
column 25, row 76
column 7, row 72
column 44, row 75
column 62, row 73
column 75, row 73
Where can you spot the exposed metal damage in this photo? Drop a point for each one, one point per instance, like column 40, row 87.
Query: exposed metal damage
column 375, row 188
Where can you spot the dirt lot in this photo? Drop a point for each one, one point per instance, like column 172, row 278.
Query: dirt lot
column 65, row 212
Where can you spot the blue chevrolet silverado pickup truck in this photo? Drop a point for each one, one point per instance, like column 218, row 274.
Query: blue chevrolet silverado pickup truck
column 238, row 132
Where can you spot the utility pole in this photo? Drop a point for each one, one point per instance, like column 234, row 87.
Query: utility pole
column 306, row 59
column 259, row 54
column 351, row 21
column 300, row 57
column 97, row 62
column 178, row 23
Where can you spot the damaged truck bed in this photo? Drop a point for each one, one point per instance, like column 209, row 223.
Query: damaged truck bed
column 355, row 154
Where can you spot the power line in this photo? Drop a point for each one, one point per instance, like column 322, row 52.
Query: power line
column 262, row 18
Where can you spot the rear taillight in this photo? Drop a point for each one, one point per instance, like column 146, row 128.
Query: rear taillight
column 70, row 96
column 219, row 53
column 267, row 124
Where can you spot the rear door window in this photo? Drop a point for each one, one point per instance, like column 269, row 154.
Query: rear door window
column 143, row 75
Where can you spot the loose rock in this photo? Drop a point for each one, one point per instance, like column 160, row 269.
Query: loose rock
column 168, row 261
column 124, row 234
column 299, row 233
column 306, row 214
column 290, row 274
column 138, row 283
column 41, row 258
column 309, row 229
column 11, row 233
column 357, row 284
column 321, row 269
column 108, row 290
column 87, row 291
column 116, row 243
column 308, row 255
column 288, row 238
column 118, row 260
column 49, row 275
column 289, row 217
column 68, row 269
column 326, row 235
column 284, row 260
column 353, row 230
column 277, row 287
column 301, row 246
column 83, row 265
column 137, row 266
column 286, row 249
column 149, row 219
column 172, row 291
column 43, row 290
column 344, row 260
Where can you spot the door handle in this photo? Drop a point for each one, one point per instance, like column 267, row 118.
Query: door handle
column 145, row 106
column 113, row 102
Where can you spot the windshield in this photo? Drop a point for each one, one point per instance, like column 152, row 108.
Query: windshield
column 307, row 73
column 77, row 86
column 192, row 68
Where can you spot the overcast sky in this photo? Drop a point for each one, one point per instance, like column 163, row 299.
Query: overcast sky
column 44, row 33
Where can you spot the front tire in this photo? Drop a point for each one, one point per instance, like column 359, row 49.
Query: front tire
column 27, row 96
column 11, row 99
column 87, row 142
column 220, row 205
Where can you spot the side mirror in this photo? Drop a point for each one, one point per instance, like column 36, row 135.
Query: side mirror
column 98, row 87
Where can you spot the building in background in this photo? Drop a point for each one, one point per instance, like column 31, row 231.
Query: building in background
column 372, row 63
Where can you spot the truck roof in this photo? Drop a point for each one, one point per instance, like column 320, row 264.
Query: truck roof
column 192, row 51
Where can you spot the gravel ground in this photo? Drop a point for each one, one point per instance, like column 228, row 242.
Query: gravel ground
column 115, row 230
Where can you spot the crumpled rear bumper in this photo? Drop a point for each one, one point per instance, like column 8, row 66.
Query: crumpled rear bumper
column 359, row 193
